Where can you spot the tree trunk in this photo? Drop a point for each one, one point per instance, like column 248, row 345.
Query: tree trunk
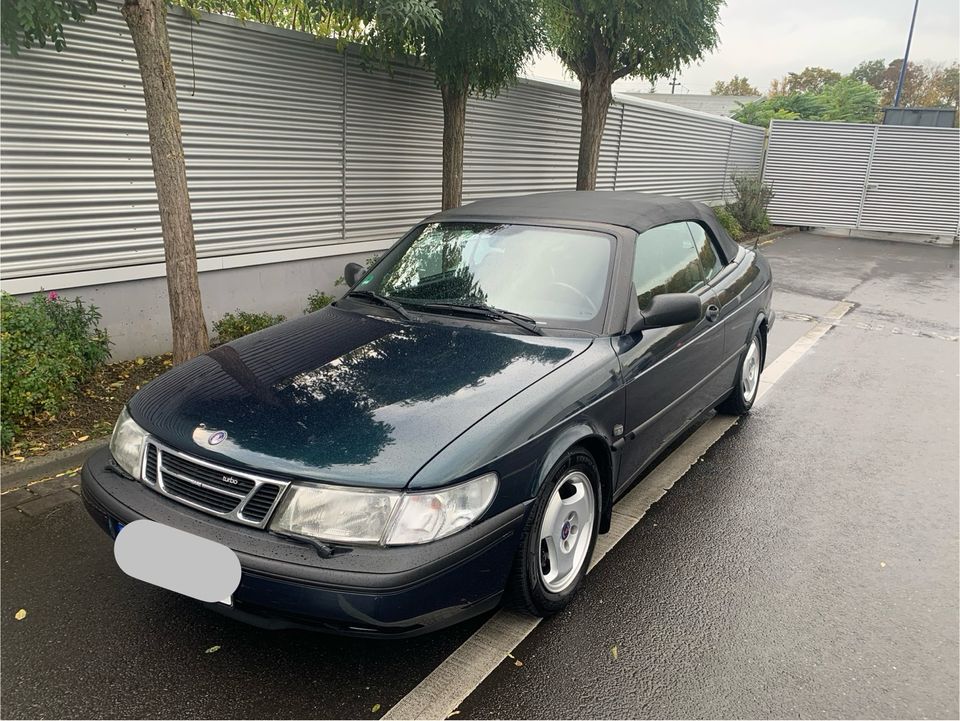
column 147, row 20
column 454, row 121
column 595, row 98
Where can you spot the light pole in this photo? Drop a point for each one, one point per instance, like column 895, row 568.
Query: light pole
column 906, row 56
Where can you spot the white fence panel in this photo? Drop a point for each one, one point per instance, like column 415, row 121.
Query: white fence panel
column 292, row 145
column 867, row 177
column 914, row 182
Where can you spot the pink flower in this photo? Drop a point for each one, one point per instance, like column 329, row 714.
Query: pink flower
column 52, row 295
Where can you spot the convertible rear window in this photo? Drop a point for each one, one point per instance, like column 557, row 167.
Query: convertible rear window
column 550, row 274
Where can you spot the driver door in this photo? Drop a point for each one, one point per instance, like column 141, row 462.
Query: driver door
column 665, row 369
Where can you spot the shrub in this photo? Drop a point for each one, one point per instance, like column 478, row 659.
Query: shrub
column 236, row 325
column 317, row 300
column 49, row 346
column 750, row 205
column 728, row 222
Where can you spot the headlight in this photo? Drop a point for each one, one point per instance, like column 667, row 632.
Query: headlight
column 366, row 516
column 424, row 517
column 126, row 444
column 335, row 514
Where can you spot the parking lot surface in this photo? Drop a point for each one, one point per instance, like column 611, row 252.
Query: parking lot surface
column 806, row 566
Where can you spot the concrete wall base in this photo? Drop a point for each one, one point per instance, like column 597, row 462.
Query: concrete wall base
column 136, row 313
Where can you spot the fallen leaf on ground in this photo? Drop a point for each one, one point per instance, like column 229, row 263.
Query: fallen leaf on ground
column 518, row 663
column 614, row 652
column 453, row 713
column 140, row 361
column 21, row 614
column 83, row 438
column 212, row 649
column 376, row 707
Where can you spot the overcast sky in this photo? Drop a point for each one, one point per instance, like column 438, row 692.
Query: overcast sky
column 765, row 39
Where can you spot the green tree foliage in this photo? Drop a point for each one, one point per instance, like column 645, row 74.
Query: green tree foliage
column 601, row 41
column 849, row 101
column 846, row 100
column 28, row 23
column 811, row 80
column 870, row 72
column 808, row 80
column 474, row 48
column 734, row 86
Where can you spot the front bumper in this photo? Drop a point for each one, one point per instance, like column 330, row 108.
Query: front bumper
column 365, row 591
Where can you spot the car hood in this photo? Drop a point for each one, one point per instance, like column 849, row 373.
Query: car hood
column 342, row 397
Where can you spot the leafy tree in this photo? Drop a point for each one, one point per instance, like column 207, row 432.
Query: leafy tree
column 944, row 86
column 26, row 23
column 797, row 106
column 811, row 80
column 735, row 86
column 846, row 100
column 601, row 41
column 474, row 48
column 914, row 83
column 870, row 72
column 849, row 101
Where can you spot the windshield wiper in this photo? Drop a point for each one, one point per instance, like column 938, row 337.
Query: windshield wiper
column 377, row 298
column 488, row 311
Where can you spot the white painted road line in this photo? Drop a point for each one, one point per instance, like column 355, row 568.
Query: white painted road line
column 444, row 688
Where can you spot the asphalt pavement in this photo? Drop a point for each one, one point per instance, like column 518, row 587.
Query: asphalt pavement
column 806, row 567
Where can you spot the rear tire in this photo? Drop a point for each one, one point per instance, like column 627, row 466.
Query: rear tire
column 744, row 393
column 558, row 537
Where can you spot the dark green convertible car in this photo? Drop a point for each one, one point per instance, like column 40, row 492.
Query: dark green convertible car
column 453, row 431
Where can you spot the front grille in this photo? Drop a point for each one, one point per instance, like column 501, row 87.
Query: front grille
column 197, row 494
column 187, row 469
column 231, row 494
column 259, row 505
column 150, row 472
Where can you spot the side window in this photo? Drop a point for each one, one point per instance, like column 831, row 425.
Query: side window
column 665, row 261
column 709, row 257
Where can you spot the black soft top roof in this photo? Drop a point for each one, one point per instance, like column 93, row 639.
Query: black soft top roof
column 637, row 211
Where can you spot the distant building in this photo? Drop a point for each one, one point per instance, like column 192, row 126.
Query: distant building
column 725, row 105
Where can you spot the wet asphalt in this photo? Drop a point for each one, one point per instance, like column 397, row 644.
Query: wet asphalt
column 806, row 567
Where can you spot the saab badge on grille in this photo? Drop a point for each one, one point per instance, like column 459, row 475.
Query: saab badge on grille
column 217, row 438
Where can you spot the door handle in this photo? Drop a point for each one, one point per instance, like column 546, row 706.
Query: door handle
column 713, row 312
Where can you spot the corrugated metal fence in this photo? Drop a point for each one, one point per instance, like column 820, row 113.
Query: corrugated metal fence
column 865, row 177
column 291, row 145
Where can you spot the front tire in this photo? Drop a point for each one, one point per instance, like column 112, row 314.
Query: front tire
column 559, row 536
column 744, row 393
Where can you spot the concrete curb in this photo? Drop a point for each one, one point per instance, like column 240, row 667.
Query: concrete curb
column 769, row 238
column 14, row 475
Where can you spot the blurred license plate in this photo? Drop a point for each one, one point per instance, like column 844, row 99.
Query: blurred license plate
column 177, row 560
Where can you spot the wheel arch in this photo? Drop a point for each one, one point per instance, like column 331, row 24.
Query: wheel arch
column 761, row 324
column 587, row 438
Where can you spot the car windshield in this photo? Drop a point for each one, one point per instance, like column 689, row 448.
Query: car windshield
column 557, row 276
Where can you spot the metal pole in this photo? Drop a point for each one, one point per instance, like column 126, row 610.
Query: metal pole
column 906, row 57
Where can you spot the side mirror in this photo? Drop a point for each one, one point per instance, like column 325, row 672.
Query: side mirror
column 668, row 309
column 352, row 273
